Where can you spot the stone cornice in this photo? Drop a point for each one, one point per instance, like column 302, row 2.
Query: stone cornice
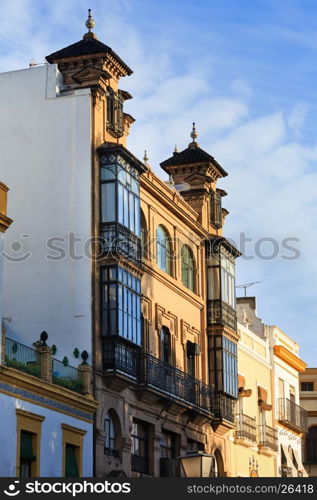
column 289, row 358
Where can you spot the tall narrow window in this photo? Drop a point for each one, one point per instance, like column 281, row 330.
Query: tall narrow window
column 144, row 237
column 121, row 304
column 215, row 209
column 190, row 353
column 168, row 454
column 165, row 345
column 110, row 439
column 140, row 447
column 188, row 268
column 163, row 250
column 27, row 453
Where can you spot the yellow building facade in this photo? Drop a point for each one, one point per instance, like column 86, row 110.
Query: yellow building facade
column 254, row 442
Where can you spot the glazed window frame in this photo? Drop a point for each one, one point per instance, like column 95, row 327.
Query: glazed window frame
column 121, row 304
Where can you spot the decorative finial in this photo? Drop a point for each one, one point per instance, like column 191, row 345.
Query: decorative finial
column 90, row 23
column 145, row 157
column 194, row 136
column 194, row 133
column 176, row 149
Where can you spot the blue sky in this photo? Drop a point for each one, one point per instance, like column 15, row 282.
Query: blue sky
column 246, row 72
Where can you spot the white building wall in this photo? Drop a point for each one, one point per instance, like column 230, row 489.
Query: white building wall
column 46, row 160
column 51, row 440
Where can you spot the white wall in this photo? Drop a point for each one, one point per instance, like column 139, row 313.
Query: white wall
column 51, row 442
column 46, row 161
column 290, row 376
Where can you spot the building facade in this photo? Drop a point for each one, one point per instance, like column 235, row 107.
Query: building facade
column 153, row 302
column 308, row 397
column 291, row 418
column 254, row 442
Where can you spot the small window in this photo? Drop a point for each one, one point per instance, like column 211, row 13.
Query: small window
column 163, row 250
column 71, row 460
column 307, row 386
column 188, row 268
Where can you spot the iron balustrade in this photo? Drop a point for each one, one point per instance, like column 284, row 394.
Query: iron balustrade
column 22, row 357
column 292, row 415
column 65, row 375
column 118, row 240
column 176, row 383
column 268, row 437
column 151, row 372
column 220, row 313
column 121, row 358
column 224, row 407
column 246, row 427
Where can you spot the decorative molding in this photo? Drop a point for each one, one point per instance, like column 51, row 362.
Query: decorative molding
column 289, row 358
column 186, row 330
column 52, row 396
column 166, row 318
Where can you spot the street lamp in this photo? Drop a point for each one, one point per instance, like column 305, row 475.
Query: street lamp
column 198, row 464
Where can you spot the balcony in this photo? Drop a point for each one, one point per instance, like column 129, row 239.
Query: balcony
column 30, row 361
column 221, row 314
column 292, row 415
column 156, row 380
column 268, row 443
column 118, row 240
column 246, row 430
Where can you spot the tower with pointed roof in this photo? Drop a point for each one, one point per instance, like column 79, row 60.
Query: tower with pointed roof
column 89, row 63
column 196, row 173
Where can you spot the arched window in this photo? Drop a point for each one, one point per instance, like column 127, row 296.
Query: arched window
column 165, row 345
column 188, row 268
column 144, row 237
column 311, row 445
column 163, row 250
column 110, row 438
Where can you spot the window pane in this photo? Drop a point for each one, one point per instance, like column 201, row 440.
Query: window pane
column 108, row 202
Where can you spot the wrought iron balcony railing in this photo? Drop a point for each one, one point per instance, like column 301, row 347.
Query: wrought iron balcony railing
column 121, row 358
column 118, row 240
column 176, row 383
column 246, row 427
column 268, row 437
column 220, row 313
column 151, row 372
column 22, row 358
column 67, row 376
column 292, row 415
column 28, row 360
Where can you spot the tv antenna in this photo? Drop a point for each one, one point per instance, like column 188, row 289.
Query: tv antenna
column 247, row 285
